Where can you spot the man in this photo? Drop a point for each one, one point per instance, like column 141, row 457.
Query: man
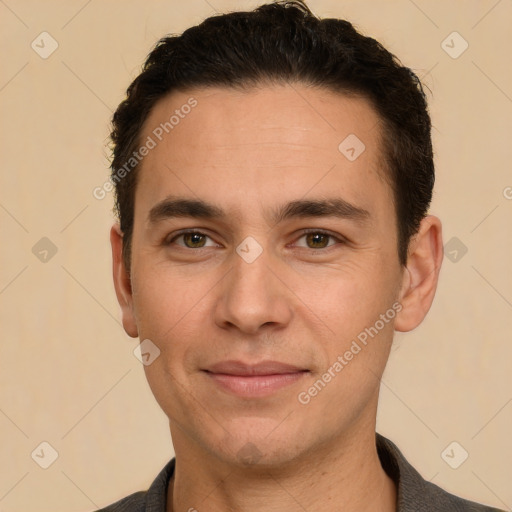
column 273, row 174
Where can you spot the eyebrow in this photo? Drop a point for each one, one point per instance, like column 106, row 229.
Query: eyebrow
column 172, row 207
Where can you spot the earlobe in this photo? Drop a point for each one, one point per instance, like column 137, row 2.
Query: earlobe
column 421, row 274
column 122, row 282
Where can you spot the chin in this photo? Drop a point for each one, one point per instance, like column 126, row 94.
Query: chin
column 259, row 443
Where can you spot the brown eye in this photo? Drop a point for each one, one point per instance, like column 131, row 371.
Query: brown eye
column 194, row 240
column 318, row 240
column 191, row 240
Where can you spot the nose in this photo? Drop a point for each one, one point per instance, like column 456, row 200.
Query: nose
column 253, row 296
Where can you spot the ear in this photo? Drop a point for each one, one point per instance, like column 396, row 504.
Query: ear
column 421, row 274
column 122, row 282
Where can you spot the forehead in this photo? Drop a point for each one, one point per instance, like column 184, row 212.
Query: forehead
column 262, row 143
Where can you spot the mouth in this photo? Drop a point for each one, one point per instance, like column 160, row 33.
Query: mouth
column 254, row 380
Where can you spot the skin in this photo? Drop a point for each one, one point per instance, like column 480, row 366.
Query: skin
column 302, row 301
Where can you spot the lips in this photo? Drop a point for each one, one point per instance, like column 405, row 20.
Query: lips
column 263, row 368
column 254, row 380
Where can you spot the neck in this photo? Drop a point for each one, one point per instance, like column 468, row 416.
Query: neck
column 348, row 477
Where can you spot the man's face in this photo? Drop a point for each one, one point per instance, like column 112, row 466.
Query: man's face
column 261, row 281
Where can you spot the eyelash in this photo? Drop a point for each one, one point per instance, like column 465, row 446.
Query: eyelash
column 305, row 232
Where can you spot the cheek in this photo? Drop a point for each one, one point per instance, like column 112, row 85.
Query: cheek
column 173, row 310
column 347, row 300
column 357, row 311
column 164, row 299
column 170, row 312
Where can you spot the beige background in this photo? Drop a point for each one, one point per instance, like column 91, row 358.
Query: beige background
column 68, row 375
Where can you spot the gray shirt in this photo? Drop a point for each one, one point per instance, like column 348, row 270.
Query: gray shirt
column 414, row 493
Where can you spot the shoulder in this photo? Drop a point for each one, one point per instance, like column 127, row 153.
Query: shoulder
column 439, row 499
column 415, row 494
column 152, row 500
column 134, row 503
